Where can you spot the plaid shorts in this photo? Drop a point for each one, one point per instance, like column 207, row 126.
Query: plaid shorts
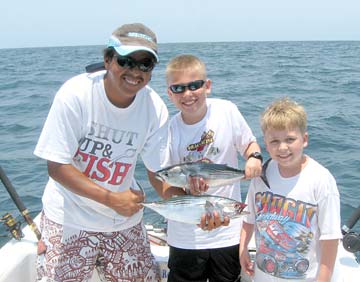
column 72, row 254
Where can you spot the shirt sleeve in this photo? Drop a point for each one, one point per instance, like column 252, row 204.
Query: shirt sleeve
column 329, row 210
column 154, row 150
column 60, row 136
column 243, row 134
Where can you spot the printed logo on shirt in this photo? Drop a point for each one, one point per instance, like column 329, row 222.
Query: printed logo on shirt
column 283, row 227
column 96, row 151
column 202, row 150
column 206, row 139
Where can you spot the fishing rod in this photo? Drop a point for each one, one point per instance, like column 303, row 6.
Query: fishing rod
column 9, row 221
column 95, row 67
column 351, row 239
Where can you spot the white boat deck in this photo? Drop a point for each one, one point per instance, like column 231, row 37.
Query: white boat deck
column 18, row 260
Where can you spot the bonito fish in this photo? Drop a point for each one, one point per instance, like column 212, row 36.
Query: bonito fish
column 189, row 209
column 214, row 174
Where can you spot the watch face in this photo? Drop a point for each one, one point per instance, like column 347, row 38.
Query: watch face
column 256, row 155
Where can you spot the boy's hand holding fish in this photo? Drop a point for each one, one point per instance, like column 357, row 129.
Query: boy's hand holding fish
column 194, row 209
column 215, row 175
column 252, row 168
column 197, row 185
column 208, row 221
column 196, row 178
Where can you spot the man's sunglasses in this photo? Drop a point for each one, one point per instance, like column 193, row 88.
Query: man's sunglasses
column 192, row 86
column 145, row 65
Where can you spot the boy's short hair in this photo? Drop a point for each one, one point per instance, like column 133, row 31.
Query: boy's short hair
column 184, row 62
column 284, row 114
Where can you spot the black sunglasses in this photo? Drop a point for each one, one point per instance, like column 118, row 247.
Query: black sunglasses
column 145, row 65
column 192, row 86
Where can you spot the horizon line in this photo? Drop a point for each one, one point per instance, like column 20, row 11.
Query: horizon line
column 194, row 42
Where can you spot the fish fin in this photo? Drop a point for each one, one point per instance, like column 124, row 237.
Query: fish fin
column 209, row 206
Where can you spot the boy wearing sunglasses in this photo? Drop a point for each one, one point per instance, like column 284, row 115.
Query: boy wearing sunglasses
column 97, row 127
column 206, row 130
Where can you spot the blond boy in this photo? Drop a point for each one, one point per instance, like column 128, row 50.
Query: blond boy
column 297, row 216
column 210, row 130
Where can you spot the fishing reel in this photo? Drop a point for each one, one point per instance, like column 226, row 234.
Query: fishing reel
column 351, row 239
column 13, row 226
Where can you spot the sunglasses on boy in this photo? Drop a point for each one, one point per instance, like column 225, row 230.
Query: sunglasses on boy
column 192, row 86
column 145, row 65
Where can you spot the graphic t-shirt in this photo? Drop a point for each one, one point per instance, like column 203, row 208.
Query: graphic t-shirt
column 219, row 138
column 290, row 218
column 85, row 129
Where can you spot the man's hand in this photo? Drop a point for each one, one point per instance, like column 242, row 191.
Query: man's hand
column 127, row 202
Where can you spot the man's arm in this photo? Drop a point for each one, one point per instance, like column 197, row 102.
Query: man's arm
column 125, row 203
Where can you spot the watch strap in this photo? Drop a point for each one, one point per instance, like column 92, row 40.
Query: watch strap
column 256, row 155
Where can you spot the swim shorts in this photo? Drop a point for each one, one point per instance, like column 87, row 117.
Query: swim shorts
column 72, row 255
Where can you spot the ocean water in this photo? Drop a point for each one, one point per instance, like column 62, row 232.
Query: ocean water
column 323, row 76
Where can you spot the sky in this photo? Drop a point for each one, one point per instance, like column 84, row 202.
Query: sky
column 43, row 23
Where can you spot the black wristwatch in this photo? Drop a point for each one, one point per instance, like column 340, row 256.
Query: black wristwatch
column 256, row 155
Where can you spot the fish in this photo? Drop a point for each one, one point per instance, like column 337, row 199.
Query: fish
column 189, row 208
column 215, row 175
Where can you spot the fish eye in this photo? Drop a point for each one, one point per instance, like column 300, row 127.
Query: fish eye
column 237, row 206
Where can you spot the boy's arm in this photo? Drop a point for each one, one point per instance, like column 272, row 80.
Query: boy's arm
column 245, row 236
column 253, row 165
column 328, row 249
column 252, row 148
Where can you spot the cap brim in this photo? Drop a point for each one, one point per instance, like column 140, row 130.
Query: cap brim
column 125, row 50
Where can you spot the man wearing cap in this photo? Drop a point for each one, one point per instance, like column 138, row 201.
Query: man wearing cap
column 98, row 125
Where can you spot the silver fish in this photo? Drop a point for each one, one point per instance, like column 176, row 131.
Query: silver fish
column 189, row 209
column 214, row 174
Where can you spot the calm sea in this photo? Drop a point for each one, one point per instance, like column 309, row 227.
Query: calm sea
column 323, row 76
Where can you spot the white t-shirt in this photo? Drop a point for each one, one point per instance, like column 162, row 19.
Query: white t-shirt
column 218, row 138
column 290, row 218
column 85, row 129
